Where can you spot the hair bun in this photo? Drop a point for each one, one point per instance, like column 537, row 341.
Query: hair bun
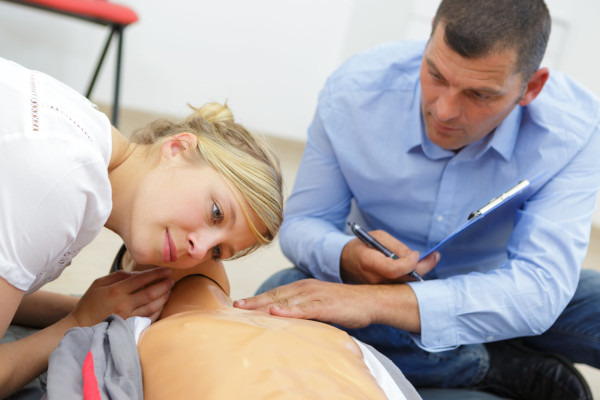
column 213, row 112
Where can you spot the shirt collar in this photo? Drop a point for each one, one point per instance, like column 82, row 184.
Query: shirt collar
column 505, row 136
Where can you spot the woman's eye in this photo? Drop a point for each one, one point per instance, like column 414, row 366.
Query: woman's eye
column 216, row 213
column 216, row 252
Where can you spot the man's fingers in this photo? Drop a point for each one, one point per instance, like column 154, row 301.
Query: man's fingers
column 390, row 270
column 260, row 302
column 428, row 263
column 290, row 312
column 264, row 301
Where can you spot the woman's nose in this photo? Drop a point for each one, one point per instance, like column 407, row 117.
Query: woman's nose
column 198, row 245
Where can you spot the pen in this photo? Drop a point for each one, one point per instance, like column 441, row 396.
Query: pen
column 371, row 242
column 498, row 200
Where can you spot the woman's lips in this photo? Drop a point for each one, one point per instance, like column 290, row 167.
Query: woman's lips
column 169, row 249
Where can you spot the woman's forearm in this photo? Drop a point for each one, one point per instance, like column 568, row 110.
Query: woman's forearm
column 24, row 359
column 44, row 308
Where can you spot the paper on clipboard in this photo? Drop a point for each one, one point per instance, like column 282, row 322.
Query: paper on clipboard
column 496, row 208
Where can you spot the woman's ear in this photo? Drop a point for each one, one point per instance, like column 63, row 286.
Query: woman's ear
column 178, row 144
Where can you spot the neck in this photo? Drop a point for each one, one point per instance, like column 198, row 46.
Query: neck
column 126, row 168
column 196, row 292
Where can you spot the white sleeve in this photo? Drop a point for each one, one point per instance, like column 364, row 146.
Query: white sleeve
column 394, row 387
column 52, row 206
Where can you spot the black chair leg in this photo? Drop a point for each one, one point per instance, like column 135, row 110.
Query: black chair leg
column 115, row 30
column 115, row 115
column 99, row 65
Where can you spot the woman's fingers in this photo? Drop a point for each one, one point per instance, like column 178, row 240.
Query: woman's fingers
column 125, row 294
column 151, row 309
column 140, row 279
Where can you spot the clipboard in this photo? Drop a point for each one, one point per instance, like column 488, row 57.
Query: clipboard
column 497, row 209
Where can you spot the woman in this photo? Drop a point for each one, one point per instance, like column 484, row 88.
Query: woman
column 181, row 195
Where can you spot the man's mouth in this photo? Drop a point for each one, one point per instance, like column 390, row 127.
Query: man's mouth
column 442, row 127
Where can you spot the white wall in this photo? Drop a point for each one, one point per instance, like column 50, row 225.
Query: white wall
column 267, row 58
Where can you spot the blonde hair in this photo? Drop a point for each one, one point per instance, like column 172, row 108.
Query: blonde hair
column 246, row 160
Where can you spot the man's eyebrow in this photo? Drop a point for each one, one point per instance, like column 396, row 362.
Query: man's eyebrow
column 433, row 67
column 486, row 90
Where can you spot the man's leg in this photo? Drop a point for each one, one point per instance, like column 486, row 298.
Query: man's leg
column 576, row 333
column 496, row 367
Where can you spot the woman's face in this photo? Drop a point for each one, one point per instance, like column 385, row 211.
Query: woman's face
column 185, row 213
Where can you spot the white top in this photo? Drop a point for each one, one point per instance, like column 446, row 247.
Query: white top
column 55, row 195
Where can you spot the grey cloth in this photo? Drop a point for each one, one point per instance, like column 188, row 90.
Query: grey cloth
column 116, row 362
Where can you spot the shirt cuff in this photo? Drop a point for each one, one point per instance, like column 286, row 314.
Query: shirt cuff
column 332, row 252
column 438, row 316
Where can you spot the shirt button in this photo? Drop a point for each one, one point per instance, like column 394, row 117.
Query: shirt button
column 489, row 338
column 440, row 218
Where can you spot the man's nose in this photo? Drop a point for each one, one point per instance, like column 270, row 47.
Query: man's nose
column 447, row 105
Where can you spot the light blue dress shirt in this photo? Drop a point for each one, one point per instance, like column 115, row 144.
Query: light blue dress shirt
column 367, row 150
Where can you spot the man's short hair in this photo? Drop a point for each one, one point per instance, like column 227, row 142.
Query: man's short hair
column 476, row 28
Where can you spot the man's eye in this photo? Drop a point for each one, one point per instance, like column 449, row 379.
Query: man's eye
column 435, row 76
column 480, row 96
column 216, row 213
column 216, row 252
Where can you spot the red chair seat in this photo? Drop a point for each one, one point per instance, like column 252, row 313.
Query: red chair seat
column 101, row 11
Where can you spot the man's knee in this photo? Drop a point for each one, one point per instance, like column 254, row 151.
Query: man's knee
column 281, row 278
column 589, row 284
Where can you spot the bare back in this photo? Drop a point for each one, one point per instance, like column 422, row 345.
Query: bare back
column 226, row 353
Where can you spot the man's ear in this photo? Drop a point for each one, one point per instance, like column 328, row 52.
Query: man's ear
column 534, row 86
column 178, row 144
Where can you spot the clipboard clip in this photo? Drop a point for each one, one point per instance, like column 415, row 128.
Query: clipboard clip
column 498, row 200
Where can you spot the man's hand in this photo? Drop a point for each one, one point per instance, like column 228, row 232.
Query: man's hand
column 360, row 263
column 126, row 294
column 350, row 306
column 335, row 303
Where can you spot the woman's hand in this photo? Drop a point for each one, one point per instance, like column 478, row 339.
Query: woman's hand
column 126, row 294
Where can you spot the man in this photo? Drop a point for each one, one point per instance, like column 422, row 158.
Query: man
column 412, row 137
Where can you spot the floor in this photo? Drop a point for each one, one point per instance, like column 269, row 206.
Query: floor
column 245, row 274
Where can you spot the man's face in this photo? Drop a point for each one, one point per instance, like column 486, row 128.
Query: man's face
column 465, row 99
